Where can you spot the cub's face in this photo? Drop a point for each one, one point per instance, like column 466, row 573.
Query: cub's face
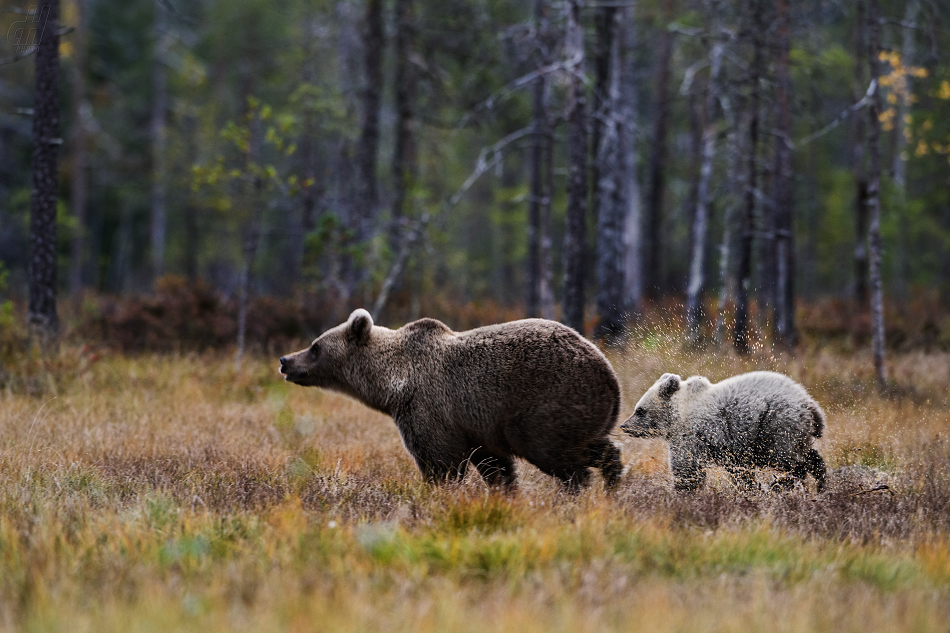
column 324, row 363
column 653, row 415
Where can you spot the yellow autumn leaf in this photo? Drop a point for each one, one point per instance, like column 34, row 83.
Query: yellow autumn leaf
column 921, row 149
column 944, row 91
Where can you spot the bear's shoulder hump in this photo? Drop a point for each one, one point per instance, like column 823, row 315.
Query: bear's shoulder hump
column 426, row 326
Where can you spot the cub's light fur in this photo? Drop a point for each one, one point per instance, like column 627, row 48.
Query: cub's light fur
column 759, row 419
column 533, row 389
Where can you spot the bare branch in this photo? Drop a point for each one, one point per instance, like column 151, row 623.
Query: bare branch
column 513, row 86
column 488, row 158
column 838, row 120
column 18, row 56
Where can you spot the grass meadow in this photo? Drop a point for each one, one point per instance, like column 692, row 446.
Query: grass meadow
column 173, row 493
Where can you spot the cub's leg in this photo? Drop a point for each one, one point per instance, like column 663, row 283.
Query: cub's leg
column 688, row 473
column 498, row 471
column 743, row 478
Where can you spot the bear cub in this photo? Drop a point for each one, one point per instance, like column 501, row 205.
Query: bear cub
column 533, row 389
column 754, row 420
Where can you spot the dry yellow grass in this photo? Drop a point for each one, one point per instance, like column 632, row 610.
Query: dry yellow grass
column 171, row 493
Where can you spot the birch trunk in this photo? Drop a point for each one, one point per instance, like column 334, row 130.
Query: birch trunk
column 697, row 272
column 610, row 214
column 874, row 200
column 630, row 181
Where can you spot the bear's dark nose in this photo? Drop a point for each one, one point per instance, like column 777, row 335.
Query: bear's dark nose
column 283, row 363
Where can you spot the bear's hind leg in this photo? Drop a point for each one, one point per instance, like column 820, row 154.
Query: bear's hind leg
column 573, row 477
column 498, row 471
column 605, row 455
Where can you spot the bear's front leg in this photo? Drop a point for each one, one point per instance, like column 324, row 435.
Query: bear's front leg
column 689, row 473
column 440, row 460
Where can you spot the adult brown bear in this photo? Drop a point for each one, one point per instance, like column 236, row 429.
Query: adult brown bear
column 533, row 389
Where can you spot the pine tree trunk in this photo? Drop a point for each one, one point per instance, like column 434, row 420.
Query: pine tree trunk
column 860, row 173
column 367, row 197
column 784, row 319
column 575, row 236
column 652, row 243
column 697, row 273
column 251, row 236
column 43, row 318
column 533, row 295
column 610, row 214
column 546, row 272
column 604, row 32
column 874, row 199
column 80, row 182
column 404, row 154
column 740, row 333
column 630, row 181
column 192, row 237
column 159, row 139
column 908, row 52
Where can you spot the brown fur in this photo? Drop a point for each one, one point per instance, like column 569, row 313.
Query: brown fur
column 533, row 389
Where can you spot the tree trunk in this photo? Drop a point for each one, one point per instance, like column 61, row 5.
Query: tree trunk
column 533, row 295
column 610, row 213
column 546, row 272
column 630, row 181
column 725, row 248
column 251, row 236
column 80, row 182
column 740, row 333
column 697, row 272
column 192, row 238
column 604, row 33
column 159, row 139
column 43, row 319
column 860, row 173
column 367, row 197
column 874, row 200
column 652, row 273
column 901, row 134
column 575, row 237
column 404, row 154
column 784, row 314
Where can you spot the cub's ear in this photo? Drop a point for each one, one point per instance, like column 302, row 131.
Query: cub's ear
column 669, row 384
column 359, row 326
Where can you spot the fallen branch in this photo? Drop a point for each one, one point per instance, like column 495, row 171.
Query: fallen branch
column 878, row 488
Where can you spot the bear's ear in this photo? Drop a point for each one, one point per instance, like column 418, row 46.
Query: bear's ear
column 669, row 384
column 359, row 326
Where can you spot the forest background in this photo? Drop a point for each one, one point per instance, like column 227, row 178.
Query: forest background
column 250, row 171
